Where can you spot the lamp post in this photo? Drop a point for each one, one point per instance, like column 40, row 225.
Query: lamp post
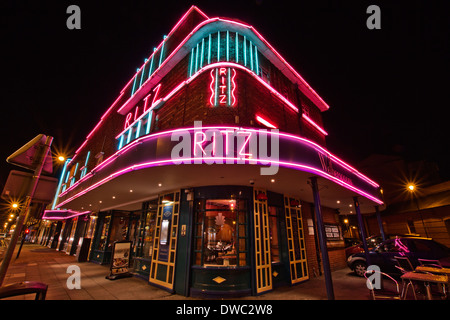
column 412, row 188
column 23, row 215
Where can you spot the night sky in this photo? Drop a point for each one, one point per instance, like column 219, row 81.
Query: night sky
column 387, row 89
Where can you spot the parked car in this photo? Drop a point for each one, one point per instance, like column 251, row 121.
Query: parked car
column 355, row 245
column 413, row 248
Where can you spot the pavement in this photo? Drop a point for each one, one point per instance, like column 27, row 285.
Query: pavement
column 38, row 263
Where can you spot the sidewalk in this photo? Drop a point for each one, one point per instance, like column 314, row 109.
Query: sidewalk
column 38, row 263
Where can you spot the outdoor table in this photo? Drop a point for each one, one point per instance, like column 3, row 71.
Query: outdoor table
column 426, row 279
column 445, row 271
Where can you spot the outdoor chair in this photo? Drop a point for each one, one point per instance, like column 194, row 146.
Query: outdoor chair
column 441, row 289
column 25, row 287
column 404, row 265
column 430, row 263
column 384, row 293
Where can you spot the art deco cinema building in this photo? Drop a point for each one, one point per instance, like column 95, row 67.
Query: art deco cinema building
column 210, row 161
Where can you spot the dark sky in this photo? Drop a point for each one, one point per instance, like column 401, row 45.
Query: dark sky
column 387, row 89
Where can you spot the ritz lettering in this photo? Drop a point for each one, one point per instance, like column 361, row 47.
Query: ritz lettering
column 227, row 146
column 139, row 110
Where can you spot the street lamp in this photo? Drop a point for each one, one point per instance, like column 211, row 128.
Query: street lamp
column 411, row 187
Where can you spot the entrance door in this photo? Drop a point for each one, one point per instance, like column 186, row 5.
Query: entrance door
column 262, row 242
column 165, row 241
column 296, row 240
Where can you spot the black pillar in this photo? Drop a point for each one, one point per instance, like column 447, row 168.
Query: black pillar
column 380, row 223
column 362, row 230
column 322, row 240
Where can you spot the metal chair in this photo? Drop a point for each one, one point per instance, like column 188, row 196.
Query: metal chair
column 25, row 287
column 430, row 263
column 383, row 294
column 441, row 289
column 404, row 265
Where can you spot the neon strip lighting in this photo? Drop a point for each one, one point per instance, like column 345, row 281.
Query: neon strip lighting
column 227, row 129
column 256, row 60
column 161, row 53
column 192, row 62
column 265, row 122
column 228, row 45
column 138, row 129
column 290, row 136
column 315, row 125
column 169, row 34
column 209, row 49
column 251, row 55
column 151, row 66
column 218, row 46
column 228, row 86
column 202, row 24
column 60, row 182
column 171, row 162
column 72, row 214
column 83, row 172
column 203, row 49
column 237, row 47
column 216, row 89
column 142, row 73
column 129, row 134
column 213, row 90
column 196, row 58
column 149, row 122
column 245, row 51
column 233, row 103
column 212, row 66
column 120, row 142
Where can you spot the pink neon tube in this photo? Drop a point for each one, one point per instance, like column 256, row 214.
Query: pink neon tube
column 144, row 138
column 170, row 162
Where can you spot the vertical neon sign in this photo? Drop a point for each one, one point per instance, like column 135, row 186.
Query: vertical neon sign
column 223, row 87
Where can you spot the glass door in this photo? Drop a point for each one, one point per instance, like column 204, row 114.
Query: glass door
column 263, row 262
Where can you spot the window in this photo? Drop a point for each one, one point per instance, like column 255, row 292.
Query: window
column 221, row 233
column 103, row 231
column 274, row 239
column 146, row 232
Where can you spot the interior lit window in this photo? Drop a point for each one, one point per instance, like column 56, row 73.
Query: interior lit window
column 221, row 233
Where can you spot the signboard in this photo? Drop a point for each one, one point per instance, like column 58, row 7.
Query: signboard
column 120, row 260
column 332, row 232
column 226, row 145
column 28, row 156
column 16, row 187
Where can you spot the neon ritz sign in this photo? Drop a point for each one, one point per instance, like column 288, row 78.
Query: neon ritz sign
column 223, row 87
column 131, row 117
column 227, row 146
column 209, row 145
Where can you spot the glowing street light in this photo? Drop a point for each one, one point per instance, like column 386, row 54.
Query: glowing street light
column 412, row 188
